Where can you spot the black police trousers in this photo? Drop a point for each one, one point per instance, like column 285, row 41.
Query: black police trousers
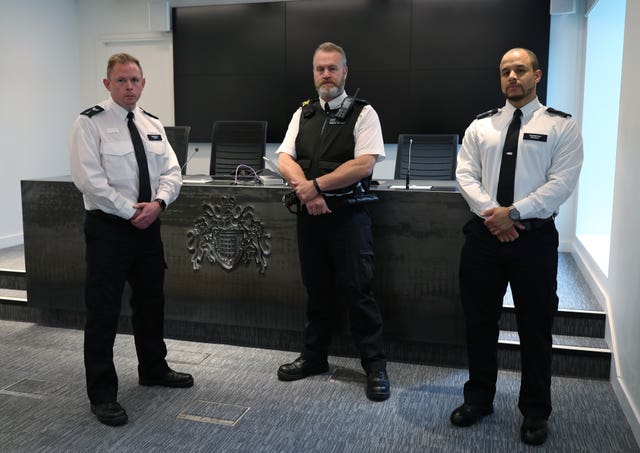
column 336, row 255
column 117, row 252
column 529, row 265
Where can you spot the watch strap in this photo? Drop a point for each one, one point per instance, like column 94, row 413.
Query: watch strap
column 514, row 214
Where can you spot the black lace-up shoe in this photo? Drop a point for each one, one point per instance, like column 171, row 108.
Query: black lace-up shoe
column 469, row 414
column 111, row 414
column 534, row 431
column 301, row 368
column 169, row 379
column 378, row 388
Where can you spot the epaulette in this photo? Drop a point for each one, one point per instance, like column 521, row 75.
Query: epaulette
column 149, row 114
column 558, row 112
column 361, row 101
column 308, row 108
column 487, row 114
column 92, row 111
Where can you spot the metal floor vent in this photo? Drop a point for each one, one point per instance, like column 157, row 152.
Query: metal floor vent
column 190, row 358
column 32, row 388
column 212, row 412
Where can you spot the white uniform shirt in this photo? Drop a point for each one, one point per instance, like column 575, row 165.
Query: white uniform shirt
column 547, row 167
column 104, row 166
column 367, row 131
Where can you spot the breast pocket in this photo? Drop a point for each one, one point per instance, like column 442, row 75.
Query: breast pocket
column 155, row 157
column 155, row 148
column 535, row 150
column 117, row 160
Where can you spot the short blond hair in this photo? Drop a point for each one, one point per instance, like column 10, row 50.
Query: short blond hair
column 121, row 58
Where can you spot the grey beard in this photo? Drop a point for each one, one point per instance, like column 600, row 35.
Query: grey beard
column 330, row 93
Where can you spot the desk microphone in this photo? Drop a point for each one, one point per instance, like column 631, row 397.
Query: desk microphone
column 274, row 167
column 189, row 159
column 409, row 164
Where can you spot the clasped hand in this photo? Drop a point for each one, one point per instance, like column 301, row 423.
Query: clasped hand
column 309, row 196
column 500, row 225
column 146, row 214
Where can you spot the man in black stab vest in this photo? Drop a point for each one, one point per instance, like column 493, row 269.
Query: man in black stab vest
column 327, row 156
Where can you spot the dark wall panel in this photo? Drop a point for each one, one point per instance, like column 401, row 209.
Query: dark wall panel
column 229, row 64
column 229, row 39
column 376, row 34
column 458, row 35
column 445, row 104
column 427, row 66
column 208, row 98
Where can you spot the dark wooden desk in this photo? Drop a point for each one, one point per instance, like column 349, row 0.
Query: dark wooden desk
column 417, row 237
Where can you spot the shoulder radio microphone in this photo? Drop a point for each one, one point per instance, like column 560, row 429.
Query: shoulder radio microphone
column 346, row 106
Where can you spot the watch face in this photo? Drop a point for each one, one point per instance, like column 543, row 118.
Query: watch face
column 514, row 214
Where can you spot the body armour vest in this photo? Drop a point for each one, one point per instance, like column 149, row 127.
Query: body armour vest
column 324, row 142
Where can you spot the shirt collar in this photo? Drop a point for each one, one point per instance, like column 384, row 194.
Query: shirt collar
column 335, row 102
column 118, row 109
column 527, row 109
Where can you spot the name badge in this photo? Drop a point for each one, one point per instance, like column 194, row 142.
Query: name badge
column 535, row 137
column 154, row 137
column 335, row 121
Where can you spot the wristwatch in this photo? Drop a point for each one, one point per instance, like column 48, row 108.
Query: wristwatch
column 162, row 204
column 514, row 214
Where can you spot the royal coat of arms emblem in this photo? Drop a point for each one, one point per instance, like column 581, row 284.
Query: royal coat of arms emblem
column 228, row 235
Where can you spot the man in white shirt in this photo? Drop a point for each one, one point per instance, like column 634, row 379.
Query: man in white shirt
column 516, row 166
column 128, row 174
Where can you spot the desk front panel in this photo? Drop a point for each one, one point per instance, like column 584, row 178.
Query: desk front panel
column 417, row 238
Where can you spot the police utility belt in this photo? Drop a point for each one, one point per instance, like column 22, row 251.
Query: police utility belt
column 351, row 196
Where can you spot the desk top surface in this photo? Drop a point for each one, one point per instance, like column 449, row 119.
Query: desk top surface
column 382, row 185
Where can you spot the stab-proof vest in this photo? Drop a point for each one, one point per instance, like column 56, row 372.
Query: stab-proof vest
column 324, row 142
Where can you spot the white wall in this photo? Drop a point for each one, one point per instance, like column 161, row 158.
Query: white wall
column 38, row 95
column 565, row 82
column 624, row 264
column 620, row 293
column 106, row 27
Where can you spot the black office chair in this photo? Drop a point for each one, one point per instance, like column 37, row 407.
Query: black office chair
column 433, row 156
column 237, row 142
column 178, row 137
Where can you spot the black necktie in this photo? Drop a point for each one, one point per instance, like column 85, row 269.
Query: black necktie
column 327, row 108
column 508, row 164
column 144, row 194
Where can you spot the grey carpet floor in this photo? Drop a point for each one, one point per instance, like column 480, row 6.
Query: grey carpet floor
column 238, row 405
